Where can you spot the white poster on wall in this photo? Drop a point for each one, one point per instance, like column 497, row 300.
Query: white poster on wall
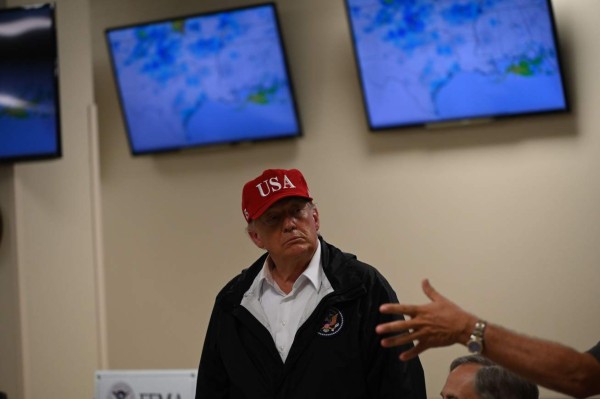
column 145, row 384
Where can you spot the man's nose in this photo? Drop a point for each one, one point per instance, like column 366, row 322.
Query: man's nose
column 289, row 221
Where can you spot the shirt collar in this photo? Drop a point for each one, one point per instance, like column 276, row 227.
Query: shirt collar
column 312, row 272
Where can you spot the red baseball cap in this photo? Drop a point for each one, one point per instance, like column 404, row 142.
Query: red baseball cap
column 271, row 186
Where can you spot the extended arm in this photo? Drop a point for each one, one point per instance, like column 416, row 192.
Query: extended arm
column 546, row 363
column 442, row 323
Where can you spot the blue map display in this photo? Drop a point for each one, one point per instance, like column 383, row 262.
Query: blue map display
column 28, row 110
column 428, row 61
column 202, row 80
column 29, row 100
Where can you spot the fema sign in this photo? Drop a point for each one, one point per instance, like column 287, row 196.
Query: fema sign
column 145, row 384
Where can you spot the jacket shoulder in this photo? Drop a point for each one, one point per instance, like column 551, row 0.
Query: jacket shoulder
column 346, row 267
column 237, row 286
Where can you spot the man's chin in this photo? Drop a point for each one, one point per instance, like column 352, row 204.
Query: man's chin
column 297, row 247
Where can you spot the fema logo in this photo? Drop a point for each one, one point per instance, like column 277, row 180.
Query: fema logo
column 121, row 391
column 334, row 320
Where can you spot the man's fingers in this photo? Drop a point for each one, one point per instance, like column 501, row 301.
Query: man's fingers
column 430, row 291
column 398, row 326
column 397, row 340
column 420, row 345
column 413, row 352
column 405, row 336
column 398, row 308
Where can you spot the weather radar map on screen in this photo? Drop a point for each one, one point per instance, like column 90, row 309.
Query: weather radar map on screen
column 203, row 79
column 428, row 61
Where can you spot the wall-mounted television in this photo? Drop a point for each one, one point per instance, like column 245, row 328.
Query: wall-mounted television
column 29, row 94
column 205, row 79
column 439, row 62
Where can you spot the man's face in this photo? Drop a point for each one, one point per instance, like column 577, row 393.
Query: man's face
column 287, row 230
column 460, row 383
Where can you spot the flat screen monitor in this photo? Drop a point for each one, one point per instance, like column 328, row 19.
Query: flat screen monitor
column 434, row 62
column 201, row 80
column 29, row 95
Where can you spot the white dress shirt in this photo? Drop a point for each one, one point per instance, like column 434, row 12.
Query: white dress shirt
column 282, row 314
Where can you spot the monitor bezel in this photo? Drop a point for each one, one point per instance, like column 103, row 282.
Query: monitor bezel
column 225, row 143
column 459, row 122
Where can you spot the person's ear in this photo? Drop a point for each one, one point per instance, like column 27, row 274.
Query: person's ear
column 255, row 237
column 315, row 215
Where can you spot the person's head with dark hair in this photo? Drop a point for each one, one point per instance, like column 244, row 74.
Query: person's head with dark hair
column 460, row 383
column 476, row 377
column 471, row 359
column 495, row 382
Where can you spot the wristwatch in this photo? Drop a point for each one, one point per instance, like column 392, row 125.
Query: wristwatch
column 475, row 343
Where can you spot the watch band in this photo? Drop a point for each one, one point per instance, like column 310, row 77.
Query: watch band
column 475, row 343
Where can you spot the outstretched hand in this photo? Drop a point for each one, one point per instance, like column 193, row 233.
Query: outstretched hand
column 435, row 324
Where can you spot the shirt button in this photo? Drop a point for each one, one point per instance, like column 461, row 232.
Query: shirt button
column 283, row 323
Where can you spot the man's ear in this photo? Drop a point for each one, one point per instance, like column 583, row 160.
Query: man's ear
column 255, row 237
column 315, row 215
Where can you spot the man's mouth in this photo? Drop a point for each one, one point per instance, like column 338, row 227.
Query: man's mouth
column 292, row 240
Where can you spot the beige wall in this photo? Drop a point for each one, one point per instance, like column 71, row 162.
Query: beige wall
column 10, row 343
column 503, row 218
column 10, row 377
column 49, row 345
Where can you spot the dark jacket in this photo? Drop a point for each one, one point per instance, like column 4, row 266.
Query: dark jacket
column 343, row 359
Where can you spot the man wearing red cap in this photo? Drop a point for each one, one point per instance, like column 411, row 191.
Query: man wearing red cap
column 300, row 322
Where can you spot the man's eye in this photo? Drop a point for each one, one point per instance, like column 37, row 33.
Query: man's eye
column 299, row 211
column 272, row 219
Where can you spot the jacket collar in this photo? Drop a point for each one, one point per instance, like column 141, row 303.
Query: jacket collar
column 335, row 266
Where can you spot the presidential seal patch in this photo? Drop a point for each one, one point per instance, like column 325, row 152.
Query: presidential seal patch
column 334, row 320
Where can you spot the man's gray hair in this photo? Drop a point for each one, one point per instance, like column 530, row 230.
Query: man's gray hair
column 495, row 382
column 471, row 359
